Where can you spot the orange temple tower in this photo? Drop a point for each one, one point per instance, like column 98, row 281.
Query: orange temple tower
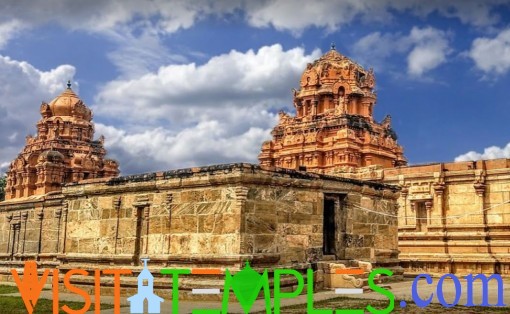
column 62, row 151
column 334, row 129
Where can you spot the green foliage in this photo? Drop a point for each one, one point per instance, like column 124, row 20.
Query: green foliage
column 3, row 182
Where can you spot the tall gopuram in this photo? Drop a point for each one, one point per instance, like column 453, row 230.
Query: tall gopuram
column 334, row 129
column 63, row 150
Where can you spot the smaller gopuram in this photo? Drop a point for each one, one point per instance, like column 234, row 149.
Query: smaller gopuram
column 63, row 150
column 334, row 128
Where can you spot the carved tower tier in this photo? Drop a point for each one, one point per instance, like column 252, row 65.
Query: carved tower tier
column 333, row 128
column 63, row 150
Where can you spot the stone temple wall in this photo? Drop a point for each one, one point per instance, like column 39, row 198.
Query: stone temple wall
column 217, row 216
column 31, row 229
column 454, row 217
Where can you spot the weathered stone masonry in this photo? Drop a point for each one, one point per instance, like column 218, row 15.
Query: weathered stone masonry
column 218, row 216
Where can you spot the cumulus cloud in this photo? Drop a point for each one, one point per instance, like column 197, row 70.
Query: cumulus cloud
column 211, row 142
column 492, row 55
column 9, row 30
column 170, row 16
column 189, row 115
column 22, row 88
column 426, row 49
column 137, row 29
column 430, row 50
column 297, row 15
column 492, row 152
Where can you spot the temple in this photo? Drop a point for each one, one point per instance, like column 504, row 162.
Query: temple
column 67, row 208
column 452, row 217
column 332, row 191
column 334, row 128
column 63, row 150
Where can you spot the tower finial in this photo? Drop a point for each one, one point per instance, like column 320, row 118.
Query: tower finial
column 69, row 84
column 333, row 46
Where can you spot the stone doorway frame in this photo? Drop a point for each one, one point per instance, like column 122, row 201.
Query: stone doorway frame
column 334, row 217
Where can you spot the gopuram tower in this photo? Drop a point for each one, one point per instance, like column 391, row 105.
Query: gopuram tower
column 333, row 130
column 63, row 150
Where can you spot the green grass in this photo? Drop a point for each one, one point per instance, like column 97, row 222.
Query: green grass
column 352, row 303
column 8, row 289
column 43, row 306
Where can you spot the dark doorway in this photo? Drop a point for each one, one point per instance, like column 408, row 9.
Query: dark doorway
column 329, row 229
column 334, row 226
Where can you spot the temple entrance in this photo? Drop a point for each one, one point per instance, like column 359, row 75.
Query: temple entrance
column 333, row 228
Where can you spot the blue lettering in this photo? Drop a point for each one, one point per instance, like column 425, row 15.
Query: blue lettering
column 414, row 289
column 458, row 290
column 485, row 289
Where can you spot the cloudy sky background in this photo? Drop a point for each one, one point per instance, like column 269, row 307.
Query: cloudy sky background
column 185, row 83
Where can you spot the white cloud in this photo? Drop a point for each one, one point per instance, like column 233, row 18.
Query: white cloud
column 140, row 54
column 137, row 28
column 375, row 48
column 472, row 12
column 492, row 55
column 189, row 93
column 297, row 15
column 189, row 115
column 426, row 49
column 492, row 152
column 22, row 88
column 9, row 30
column 165, row 17
column 430, row 50
column 210, row 142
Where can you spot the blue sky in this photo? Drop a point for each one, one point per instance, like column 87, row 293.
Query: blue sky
column 186, row 83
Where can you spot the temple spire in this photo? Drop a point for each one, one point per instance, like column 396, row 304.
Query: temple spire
column 333, row 46
column 68, row 84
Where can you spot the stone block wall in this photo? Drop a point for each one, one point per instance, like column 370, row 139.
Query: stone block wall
column 195, row 221
column 454, row 217
column 217, row 216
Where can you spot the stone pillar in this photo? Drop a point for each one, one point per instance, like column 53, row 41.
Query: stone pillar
column 116, row 207
column 17, row 229
column 24, row 218
column 245, row 240
column 168, row 204
column 40, row 216
column 146, row 213
column 58, row 215
column 9, row 219
column 315, row 103
column 404, row 192
column 428, row 208
column 414, row 210
column 480, row 192
column 439, row 218
column 63, row 238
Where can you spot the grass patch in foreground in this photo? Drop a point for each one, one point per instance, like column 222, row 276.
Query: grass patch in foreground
column 352, row 303
column 8, row 289
column 16, row 305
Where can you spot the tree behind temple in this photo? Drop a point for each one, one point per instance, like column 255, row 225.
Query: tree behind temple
column 3, row 181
